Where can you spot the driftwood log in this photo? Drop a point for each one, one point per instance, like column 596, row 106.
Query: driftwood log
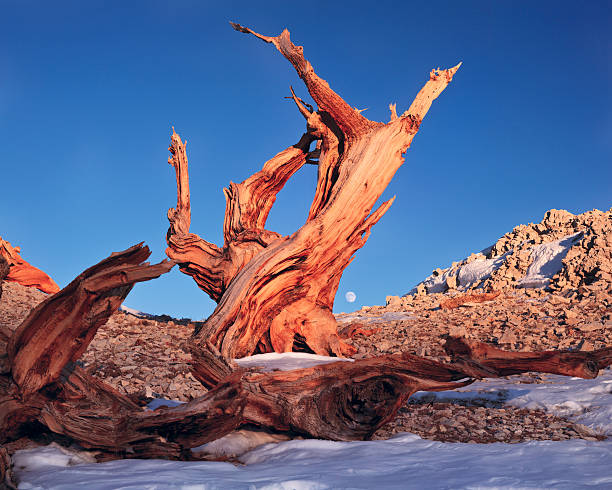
column 276, row 293
column 42, row 389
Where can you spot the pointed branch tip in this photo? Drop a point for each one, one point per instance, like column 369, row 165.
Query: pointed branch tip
column 393, row 109
column 301, row 105
column 246, row 30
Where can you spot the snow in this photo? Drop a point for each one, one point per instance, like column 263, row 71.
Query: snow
column 586, row 401
column 405, row 461
column 136, row 313
column 467, row 273
column 547, row 260
column 286, row 361
column 163, row 402
column 238, row 443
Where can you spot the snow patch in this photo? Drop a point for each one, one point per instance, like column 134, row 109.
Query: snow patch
column 49, row 457
column 586, row 401
column 163, row 402
column 238, row 442
column 136, row 313
column 467, row 274
column 405, row 461
column 286, row 361
column 547, row 260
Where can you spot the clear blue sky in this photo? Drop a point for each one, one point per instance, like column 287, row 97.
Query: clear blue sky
column 89, row 92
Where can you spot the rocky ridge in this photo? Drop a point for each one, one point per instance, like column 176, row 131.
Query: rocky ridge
column 579, row 246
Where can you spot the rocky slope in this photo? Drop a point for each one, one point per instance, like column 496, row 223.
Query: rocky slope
column 569, row 307
column 563, row 252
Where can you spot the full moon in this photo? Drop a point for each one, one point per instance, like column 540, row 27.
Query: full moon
column 350, row 296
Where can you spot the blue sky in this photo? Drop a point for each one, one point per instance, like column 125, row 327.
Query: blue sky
column 89, row 92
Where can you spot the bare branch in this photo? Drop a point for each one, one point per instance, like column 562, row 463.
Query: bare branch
column 505, row 363
column 438, row 80
column 59, row 329
column 348, row 119
column 305, row 109
column 393, row 109
column 202, row 260
column 179, row 217
column 249, row 203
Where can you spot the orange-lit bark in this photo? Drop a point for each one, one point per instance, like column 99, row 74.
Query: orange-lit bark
column 276, row 292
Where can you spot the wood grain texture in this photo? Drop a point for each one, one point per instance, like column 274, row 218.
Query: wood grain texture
column 582, row 364
column 277, row 292
column 468, row 299
column 60, row 328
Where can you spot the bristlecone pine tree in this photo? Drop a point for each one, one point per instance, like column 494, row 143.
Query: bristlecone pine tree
column 271, row 291
column 274, row 292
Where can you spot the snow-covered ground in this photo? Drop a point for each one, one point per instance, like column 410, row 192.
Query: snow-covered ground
column 136, row 313
column 405, row 461
column 547, row 260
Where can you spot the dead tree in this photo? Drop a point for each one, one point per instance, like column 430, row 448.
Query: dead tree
column 275, row 292
column 271, row 289
column 41, row 386
column 43, row 389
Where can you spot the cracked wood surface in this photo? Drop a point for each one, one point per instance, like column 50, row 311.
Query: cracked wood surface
column 276, row 293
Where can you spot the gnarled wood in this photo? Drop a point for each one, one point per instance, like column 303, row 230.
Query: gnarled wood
column 60, row 328
column 7, row 480
column 505, row 363
column 274, row 291
column 339, row 401
column 22, row 272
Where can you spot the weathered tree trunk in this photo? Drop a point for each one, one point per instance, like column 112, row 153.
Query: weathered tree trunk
column 37, row 359
column 41, row 385
column 6, row 474
column 23, row 273
column 271, row 290
column 468, row 299
column 339, row 401
column 275, row 290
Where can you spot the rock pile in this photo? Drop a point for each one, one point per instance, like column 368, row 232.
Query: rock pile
column 143, row 358
column 453, row 422
column 562, row 252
